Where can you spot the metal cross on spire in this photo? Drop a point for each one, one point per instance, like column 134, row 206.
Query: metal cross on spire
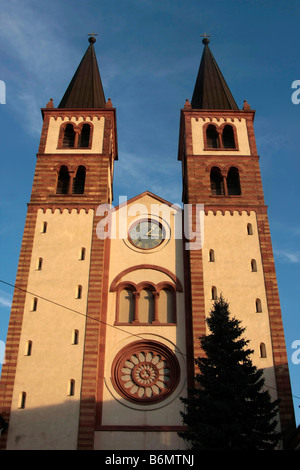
column 92, row 37
column 205, row 37
column 93, row 34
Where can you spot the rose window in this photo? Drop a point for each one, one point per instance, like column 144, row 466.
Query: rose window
column 145, row 372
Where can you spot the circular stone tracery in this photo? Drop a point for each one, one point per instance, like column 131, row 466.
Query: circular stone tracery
column 145, row 372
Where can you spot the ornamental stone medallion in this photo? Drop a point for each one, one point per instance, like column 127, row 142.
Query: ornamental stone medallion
column 145, row 372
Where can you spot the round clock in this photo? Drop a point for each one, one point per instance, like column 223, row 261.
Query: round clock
column 146, row 234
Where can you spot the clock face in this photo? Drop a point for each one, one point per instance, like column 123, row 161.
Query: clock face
column 146, row 234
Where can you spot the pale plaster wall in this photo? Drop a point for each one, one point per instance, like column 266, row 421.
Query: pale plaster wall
column 50, row 418
column 116, row 410
column 231, row 275
column 198, row 142
column 53, row 134
column 118, row 440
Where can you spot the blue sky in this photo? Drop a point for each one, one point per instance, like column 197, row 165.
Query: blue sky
column 149, row 53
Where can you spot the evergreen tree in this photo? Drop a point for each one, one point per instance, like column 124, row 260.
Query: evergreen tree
column 228, row 408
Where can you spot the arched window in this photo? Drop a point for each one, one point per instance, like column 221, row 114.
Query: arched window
column 44, row 227
column 263, row 350
column 212, row 137
column 253, row 266
column 228, row 141
column 79, row 181
column 216, row 181
column 84, row 136
column 249, row 229
column 22, row 400
column 214, row 293
column 71, row 388
column 75, row 337
column 82, row 254
column 126, row 306
column 78, row 294
column 258, row 306
column 34, row 304
column 166, row 307
column 69, row 136
column 233, row 182
column 28, row 348
column 63, row 181
column 39, row 264
column 211, row 256
column 146, row 306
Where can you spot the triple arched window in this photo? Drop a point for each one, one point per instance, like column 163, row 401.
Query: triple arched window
column 146, row 304
column 225, row 184
column 69, row 181
column 220, row 137
column 75, row 136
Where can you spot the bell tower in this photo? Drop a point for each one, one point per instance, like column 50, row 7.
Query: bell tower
column 220, row 169
column 53, row 337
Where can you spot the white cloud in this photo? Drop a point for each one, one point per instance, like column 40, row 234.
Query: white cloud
column 35, row 55
column 5, row 299
column 290, row 257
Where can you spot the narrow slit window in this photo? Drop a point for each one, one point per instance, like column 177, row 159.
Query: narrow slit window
column 253, row 266
column 71, row 388
column 214, row 293
column 82, row 254
column 79, row 292
column 39, row 264
column 28, row 348
column 249, row 229
column 211, row 256
column 258, row 306
column 263, row 350
column 44, row 227
column 22, row 400
column 75, row 337
column 34, row 304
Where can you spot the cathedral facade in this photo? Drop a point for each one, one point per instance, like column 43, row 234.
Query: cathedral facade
column 110, row 302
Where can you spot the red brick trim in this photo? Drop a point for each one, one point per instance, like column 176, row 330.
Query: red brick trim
column 15, row 322
column 146, row 266
column 128, row 428
column 91, row 389
column 280, row 359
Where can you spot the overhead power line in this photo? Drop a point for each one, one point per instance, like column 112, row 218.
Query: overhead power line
column 104, row 323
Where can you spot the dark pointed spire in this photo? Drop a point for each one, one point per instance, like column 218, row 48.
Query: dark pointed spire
column 211, row 90
column 85, row 89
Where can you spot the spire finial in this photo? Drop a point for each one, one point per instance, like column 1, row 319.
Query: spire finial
column 92, row 39
column 205, row 40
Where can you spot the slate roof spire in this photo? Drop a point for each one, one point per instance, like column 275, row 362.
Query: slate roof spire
column 85, row 89
column 211, row 90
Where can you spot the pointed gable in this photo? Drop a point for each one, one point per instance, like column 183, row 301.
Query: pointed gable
column 85, row 89
column 211, row 90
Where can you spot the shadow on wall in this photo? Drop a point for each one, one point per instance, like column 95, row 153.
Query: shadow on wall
column 56, row 428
